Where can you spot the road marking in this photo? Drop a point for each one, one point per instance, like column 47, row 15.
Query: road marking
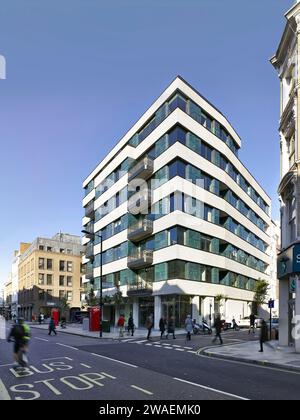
column 142, row 341
column 127, row 339
column 109, row 376
column 55, row 358
column 190, row 351
column 175, row 345
column 114, row 360
column 148, row 344
column 157, row 345
column 8, row 364
column 189, row 348
column 180, row 349
column 212, row 389
column 65, row 345
column 142, row 390
column 42, row 339
column 168, row 348
column 4, row 395
column 87, row 366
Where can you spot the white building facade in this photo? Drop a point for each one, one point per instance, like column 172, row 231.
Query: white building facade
column 286, row 62
column 185, row 227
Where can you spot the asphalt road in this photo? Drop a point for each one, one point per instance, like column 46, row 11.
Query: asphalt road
column 69, row 367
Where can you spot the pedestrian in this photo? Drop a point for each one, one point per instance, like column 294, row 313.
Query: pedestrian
column 121, row 325
column 218, row 327
column 20, row 332
column 235, row 326
column 149, row 325
column 171, row 327
column 252, row 323
column 263, row 335
column 40, row 319
column 52, row 327
column 162, row 327
column 130, row 325
column 188, row 327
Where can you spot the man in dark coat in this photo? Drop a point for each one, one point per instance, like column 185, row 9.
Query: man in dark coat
column 218, row 327
column 171, row 327
column 130, row 324
column 263, row 335
column 52, row 327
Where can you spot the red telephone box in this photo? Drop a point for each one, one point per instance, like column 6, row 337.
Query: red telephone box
column 55, row 316
column 94, row 315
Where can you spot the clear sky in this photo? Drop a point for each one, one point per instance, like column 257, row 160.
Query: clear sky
column 81, row 72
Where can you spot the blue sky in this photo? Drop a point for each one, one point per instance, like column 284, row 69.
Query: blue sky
column 81, row 72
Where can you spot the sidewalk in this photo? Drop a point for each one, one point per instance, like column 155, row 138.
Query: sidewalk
column 76, row 329
column 273, row 355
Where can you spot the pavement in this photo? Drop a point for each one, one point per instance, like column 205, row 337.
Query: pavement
column 77, row 329
column 273, row 354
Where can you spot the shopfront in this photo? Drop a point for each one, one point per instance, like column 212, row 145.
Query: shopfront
column 178, row 306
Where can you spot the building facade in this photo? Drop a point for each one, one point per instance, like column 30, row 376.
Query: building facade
column 49, row 270
column 286, row 62
column 184, row 225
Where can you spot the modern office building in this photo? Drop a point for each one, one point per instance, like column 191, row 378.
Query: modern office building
column 184, row 225
column 286, row 62
column 48, row 271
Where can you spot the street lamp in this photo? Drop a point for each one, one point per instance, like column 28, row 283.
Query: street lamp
column 92, row 236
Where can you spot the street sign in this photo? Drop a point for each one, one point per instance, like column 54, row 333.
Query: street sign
column 271, row 304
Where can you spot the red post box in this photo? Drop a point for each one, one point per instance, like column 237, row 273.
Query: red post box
column 94, row 315
column 55, row 316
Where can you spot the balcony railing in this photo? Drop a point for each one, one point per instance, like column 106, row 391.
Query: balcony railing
column 140, row 230
column 140, row 202
column 89, row 252
column 89, row 210
column 141, row 259
column 143, row 169
column 140, row 289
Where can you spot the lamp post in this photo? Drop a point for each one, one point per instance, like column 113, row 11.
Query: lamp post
column 92, row 236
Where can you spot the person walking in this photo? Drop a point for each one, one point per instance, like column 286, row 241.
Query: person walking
column 171, row 327
column 263, row 335
column 149, row 325
column 121, row 325
column 218, row 327
column 130, row 325
column 162, row 327
column 252, row 323
column 235, row 326
column 52, row 326
column 188, row 327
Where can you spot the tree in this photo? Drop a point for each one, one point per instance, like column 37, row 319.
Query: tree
column 261, row 291
column 64, row 306
column 91, row 299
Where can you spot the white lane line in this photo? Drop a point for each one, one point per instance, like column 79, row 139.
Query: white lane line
column 212, row 389
column 141, row 341
column 109, row 376
column 42, row 339
column 175, row 345
column 61, row 357
column 114, row 360
column 127, row 339
column 193, row 352
column 189, row 348
column 157, row 345
column 87, row 366
column 148, row 344
column 180, row 349
column 64, row 345
column 168, row 348
column 8, row 364
column 142, row 390
column 4, row 395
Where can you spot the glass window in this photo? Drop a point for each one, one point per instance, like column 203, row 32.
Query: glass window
column 193, row 142
column 161, row 145
column 49, row 264
column 69, row 296
column 41, row 279
column 161, row 177
column 49, row 279
column 161, row 272
column 127, row 277
column 69, row 281
column 61, row 280
column 70, row 266
column 192, row 239
column 192, row 271
column 161, row 239
column 193, row 174
column 176, row 269
column 177, row 134
column 41, row 263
